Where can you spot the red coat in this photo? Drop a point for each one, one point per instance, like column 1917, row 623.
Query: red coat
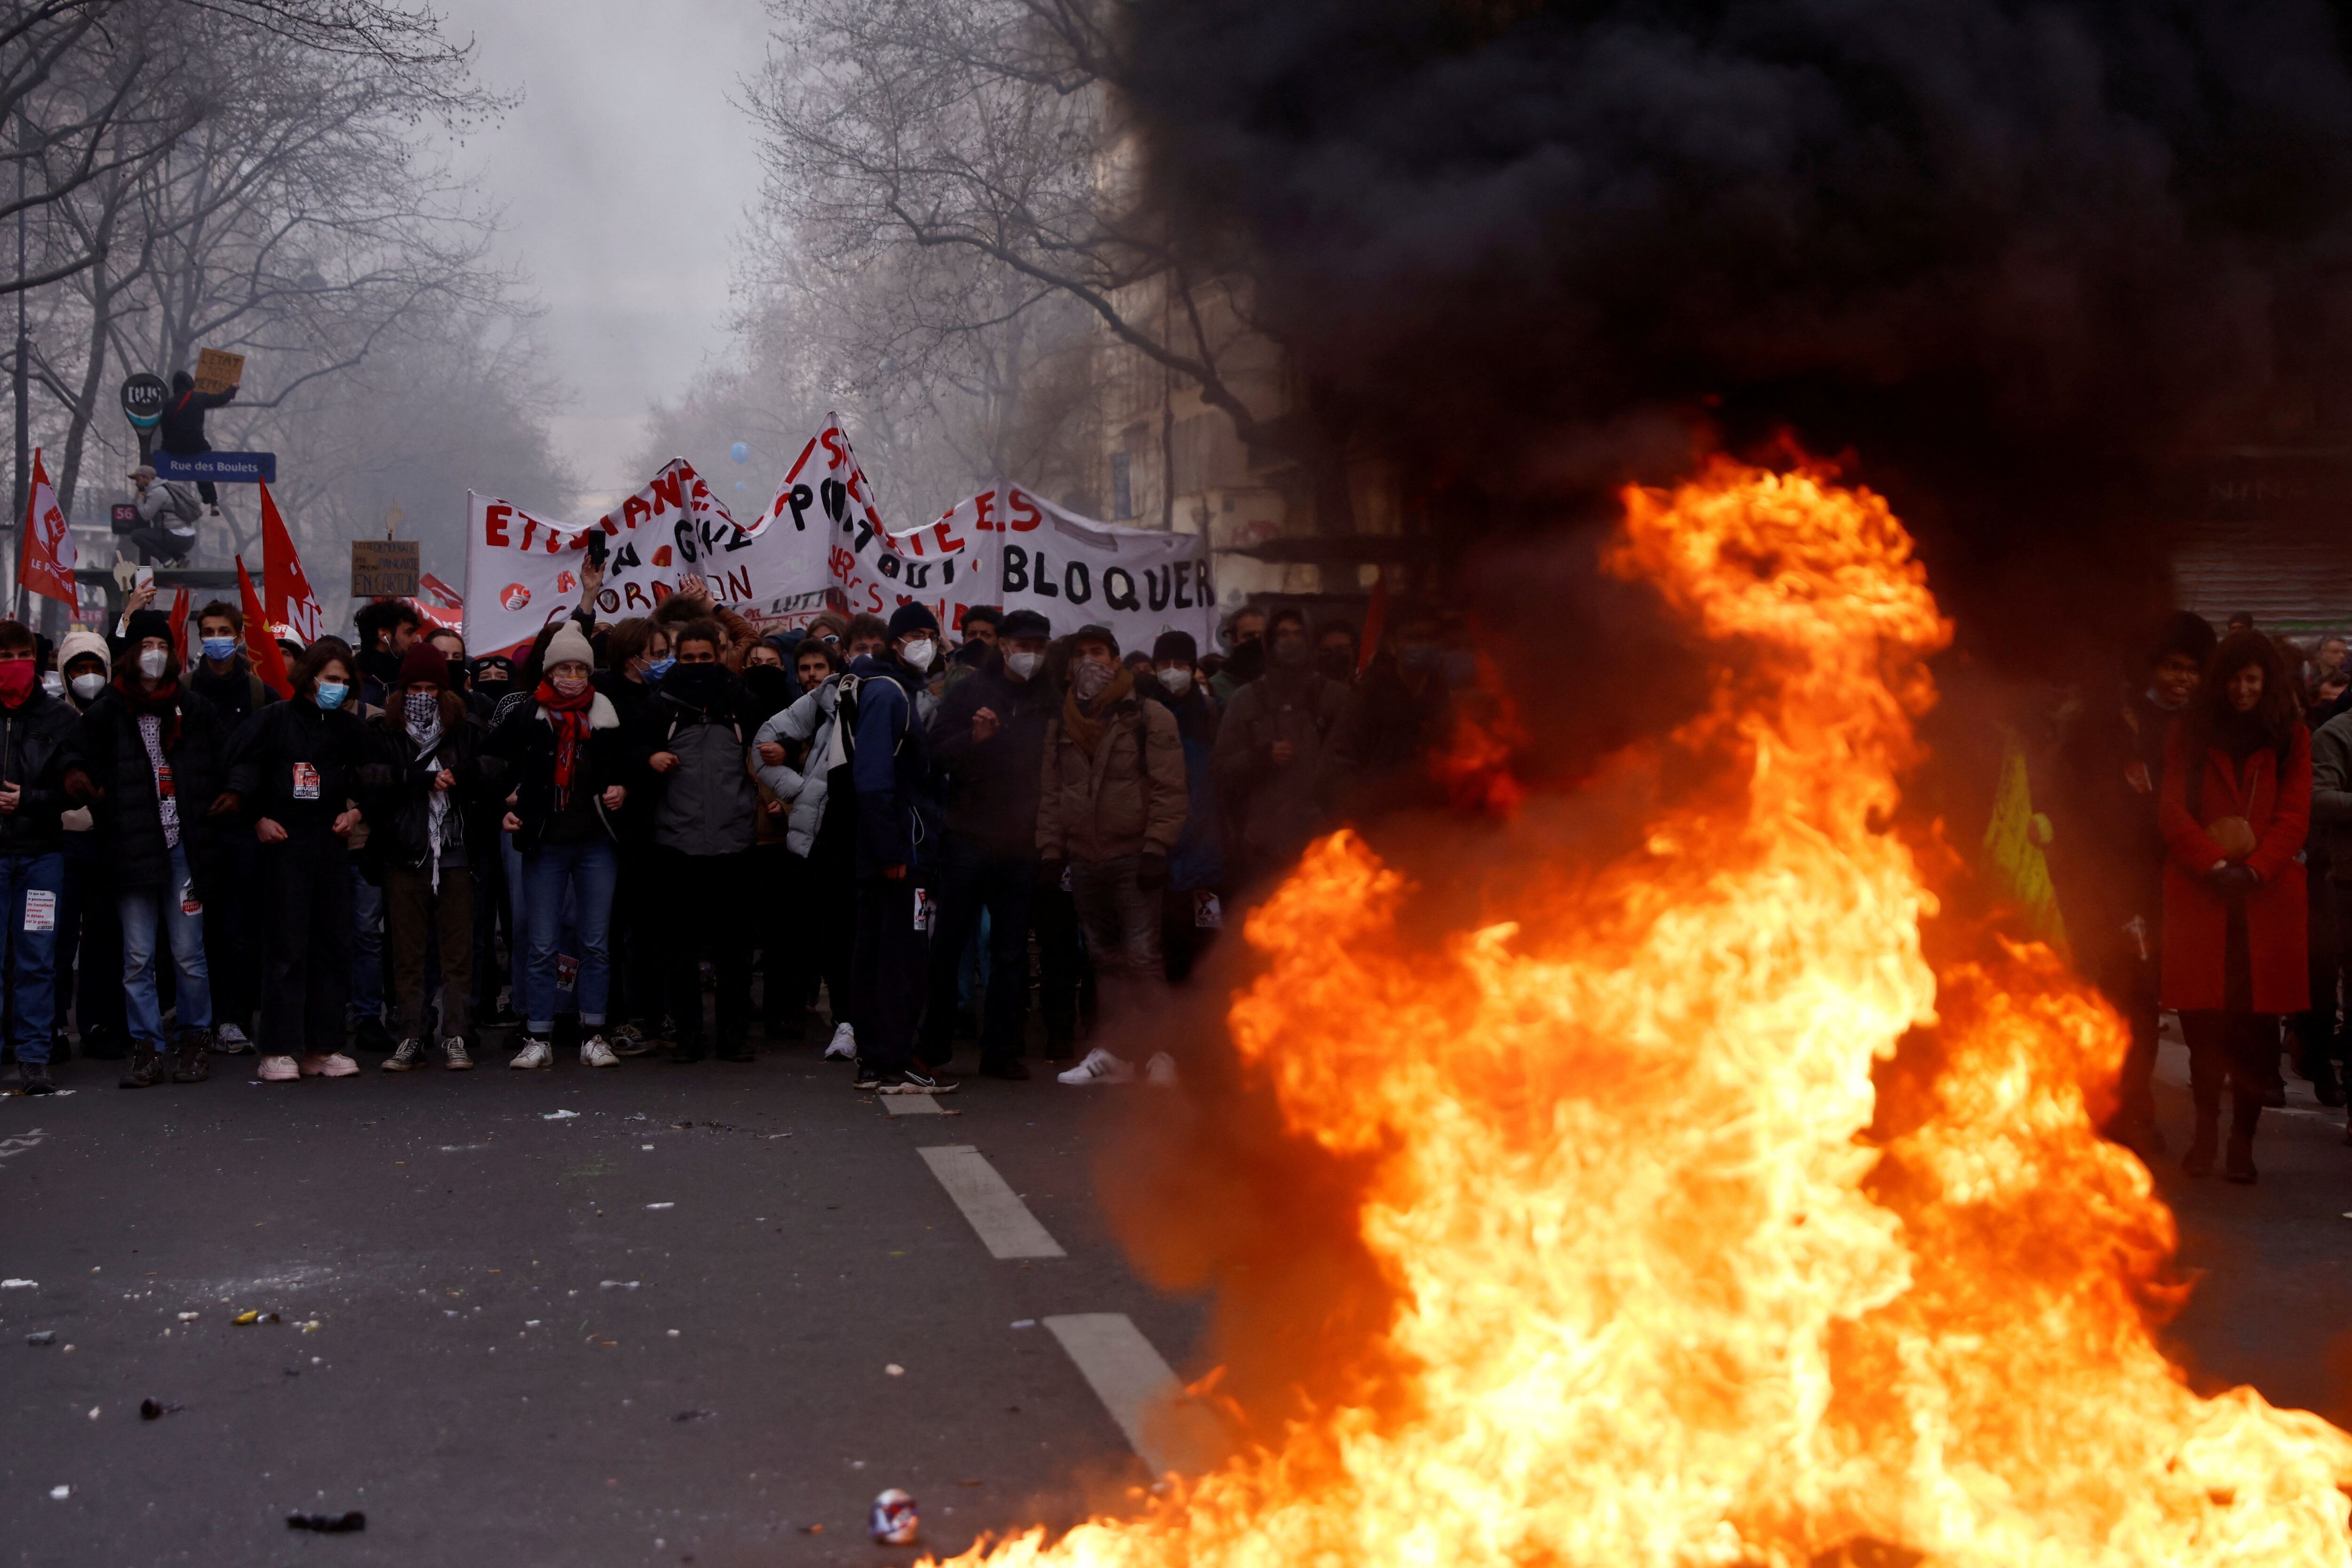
column 2196, row 918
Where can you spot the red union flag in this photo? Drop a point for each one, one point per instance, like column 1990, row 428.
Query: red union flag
column 46, row 565
column 268, row 659
column 293, row 608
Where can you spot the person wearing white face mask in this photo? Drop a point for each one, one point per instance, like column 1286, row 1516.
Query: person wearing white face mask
column 224, row 678
column 294, row 770
column 989, row 740
column 90, row 932
column 149, row 755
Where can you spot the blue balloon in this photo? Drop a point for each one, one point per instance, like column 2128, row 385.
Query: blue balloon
column 741, row 486
column 740, row 451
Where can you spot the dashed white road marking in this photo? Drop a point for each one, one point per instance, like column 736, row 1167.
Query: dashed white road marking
column 911, row 1105
column 1006, row 1227
column 1140, row 1391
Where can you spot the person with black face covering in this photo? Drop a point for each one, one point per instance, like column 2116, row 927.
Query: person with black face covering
column 693, row 737
column 1269, row 757
column 1335, row 652
column 783, row 1003
column 1399, row 716
column 1245, row 639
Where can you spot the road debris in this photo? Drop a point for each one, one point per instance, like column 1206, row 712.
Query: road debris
column 694, row 1416
column 560, row 1116
column 247, row 1319
column 893, row 1522
column 154, row 1410
column 894, row 1370
column 661, row 1205
column 59, row 1494
column 328, row 1523
column 42, row 1337
column 19, row 1284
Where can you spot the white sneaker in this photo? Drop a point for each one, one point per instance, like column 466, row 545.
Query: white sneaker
column 535, row 1053
column 277, row 1069
column 230, row 1041
column 1100, row 1067
column 1160, row 1072
column 844, row 1045
column 595, row 1053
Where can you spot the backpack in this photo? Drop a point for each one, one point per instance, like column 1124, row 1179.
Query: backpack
column 185, row 503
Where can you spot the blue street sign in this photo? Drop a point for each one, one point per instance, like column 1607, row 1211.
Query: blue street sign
column 221, row 467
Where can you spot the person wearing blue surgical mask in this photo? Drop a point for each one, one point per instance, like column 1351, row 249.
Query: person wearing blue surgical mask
column 294, row 775
column 225, row 678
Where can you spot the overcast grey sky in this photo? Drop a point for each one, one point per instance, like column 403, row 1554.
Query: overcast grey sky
column 625, row 175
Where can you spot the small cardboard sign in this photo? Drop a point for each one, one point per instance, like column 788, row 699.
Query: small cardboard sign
column 218, row 369
column 41, row 910
column 384, row 568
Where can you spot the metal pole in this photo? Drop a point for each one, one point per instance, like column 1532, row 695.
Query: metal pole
column 24, row 390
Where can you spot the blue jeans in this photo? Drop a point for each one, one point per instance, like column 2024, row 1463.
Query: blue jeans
column 143, row 909
column 588, row 871
column 367, row 948
column 32, row 948
column 518, row 925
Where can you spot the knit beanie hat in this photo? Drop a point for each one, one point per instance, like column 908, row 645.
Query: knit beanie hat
column 567, row 645
column 423, row 662
column 911, row 618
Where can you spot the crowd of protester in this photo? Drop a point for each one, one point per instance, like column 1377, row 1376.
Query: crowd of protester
column 615, row 839
column 2201, row 841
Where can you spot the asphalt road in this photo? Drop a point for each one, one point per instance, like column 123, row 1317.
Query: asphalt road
column 478, row 1388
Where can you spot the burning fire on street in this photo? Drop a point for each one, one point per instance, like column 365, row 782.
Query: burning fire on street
column 1677, row 1281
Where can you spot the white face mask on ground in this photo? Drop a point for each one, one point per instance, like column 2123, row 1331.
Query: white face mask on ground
column 917, row 653
column 152, row 662
column 1178, row 680
column 1023, row 665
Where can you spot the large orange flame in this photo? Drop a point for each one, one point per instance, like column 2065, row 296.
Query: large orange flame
column 1675, row 1288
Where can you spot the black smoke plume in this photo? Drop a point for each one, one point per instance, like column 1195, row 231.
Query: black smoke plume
column 2026, row 262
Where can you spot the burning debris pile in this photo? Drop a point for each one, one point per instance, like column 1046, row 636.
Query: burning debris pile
column 1674, row 1282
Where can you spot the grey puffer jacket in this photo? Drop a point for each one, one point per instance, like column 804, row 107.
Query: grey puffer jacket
column 708, row 805
column 810, row 721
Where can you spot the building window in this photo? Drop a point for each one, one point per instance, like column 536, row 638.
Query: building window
column 1122, row 487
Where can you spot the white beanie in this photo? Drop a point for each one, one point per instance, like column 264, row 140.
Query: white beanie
column 567, row 645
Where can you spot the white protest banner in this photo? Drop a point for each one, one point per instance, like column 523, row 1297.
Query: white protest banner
column 523, row 571
column 864, row 567
column 1075, row 570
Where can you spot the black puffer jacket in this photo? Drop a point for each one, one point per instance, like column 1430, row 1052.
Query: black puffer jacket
column 396, row 787
column 128, row 814
column 34, row 740
column 991, row 786
column 525, row 744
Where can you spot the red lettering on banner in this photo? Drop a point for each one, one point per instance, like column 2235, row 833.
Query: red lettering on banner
column 635, row 507
column 949, row 543
column 1023, row 512
column 984, row 505
column 739, row 583
column 664, row 488
column 635, row 596
column 798, row 461
column 494, row 524
column 831, row 436
column 530, row 526
column 662, row 591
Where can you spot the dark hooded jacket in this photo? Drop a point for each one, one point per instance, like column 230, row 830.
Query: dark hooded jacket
column 701, row 714
column 34, row 737
column 298, row 765
column 889, row 768
column 396, row 786
column 989, row 788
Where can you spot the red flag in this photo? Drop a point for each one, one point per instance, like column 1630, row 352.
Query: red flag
column 180, row 625
column 268, row 659
column 293, row 608
column 44, row 561
column 448, row 596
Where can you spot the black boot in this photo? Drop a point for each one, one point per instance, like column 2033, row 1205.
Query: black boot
column 146, row 1066
column 2199, row 1160
column 2244, row 1111
column 2324, row 1083
column 33, row 1078
column 192, row 1061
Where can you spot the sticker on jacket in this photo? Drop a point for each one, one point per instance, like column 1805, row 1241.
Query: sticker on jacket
column 1067, row 885
column 41, row 910
column 926, row 910
column 306, row 782
column 567, row 972
column 1208, row 912
column 188, row 902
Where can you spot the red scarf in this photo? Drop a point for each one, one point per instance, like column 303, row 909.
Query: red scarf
column 569, row 715
column 164, row 702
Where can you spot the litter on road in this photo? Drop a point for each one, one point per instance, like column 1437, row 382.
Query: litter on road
column 59, row 1494
column 560, row 1116
column 152, row 1410
column 42, row 1337
column 19, row 1284
column 661, row 1205
column 328, row 1523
